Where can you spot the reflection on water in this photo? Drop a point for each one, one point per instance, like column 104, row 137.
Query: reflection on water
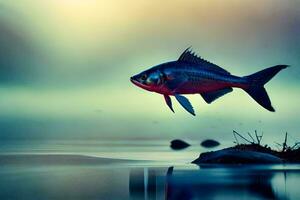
column 214, row 182
column 225, row 184
column 125, row 180
column 143, row 184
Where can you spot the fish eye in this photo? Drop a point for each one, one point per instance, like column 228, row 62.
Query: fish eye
column 144, row 77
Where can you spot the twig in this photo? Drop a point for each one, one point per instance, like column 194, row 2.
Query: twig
column 253, row 141
column 261, row 137
column 278, row 144
column 284, row 145
column 237, row 142
column 234, row 132
column 295, row 145
column 258, row 137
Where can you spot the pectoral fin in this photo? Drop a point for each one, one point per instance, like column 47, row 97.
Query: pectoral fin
column 184, row 102
column 211, row 96
column 169, row 102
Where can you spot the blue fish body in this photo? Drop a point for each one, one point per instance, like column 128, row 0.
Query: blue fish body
column 191, row 74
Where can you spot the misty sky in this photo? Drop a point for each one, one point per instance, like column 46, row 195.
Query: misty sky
column 65, row 67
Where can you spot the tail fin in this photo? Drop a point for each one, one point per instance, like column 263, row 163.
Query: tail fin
column 257, row 81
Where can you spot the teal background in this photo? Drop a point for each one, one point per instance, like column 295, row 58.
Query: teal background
column 65, row 67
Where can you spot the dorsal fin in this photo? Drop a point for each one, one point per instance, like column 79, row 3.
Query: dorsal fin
column 188, row 56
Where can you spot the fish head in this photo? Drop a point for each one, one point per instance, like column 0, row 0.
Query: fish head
column 150, row 80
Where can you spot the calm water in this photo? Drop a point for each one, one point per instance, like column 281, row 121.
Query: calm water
column 133, row 170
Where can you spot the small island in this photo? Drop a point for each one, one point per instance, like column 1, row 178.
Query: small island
column 252, row 152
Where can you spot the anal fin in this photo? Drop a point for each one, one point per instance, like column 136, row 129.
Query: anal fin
column 212, row 96
column 184, row 102
column 169, row 102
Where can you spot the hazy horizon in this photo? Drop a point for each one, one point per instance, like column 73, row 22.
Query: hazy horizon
column 65, row 67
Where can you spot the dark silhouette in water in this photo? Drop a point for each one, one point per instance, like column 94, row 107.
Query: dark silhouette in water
column 179, row 144
column 191, row 74
column 209, row 143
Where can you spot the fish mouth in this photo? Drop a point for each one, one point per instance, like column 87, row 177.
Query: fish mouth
column 138, row 83
column 133, row 81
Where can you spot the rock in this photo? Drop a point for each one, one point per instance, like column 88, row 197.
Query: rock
column 179, row 144
column 209, row 143
column 237, row 156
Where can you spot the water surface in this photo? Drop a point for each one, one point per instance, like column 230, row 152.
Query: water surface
column 133, row 170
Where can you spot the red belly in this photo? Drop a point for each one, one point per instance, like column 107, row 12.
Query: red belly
column 191, row 88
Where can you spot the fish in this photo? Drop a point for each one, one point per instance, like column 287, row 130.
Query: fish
column 191, row 74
